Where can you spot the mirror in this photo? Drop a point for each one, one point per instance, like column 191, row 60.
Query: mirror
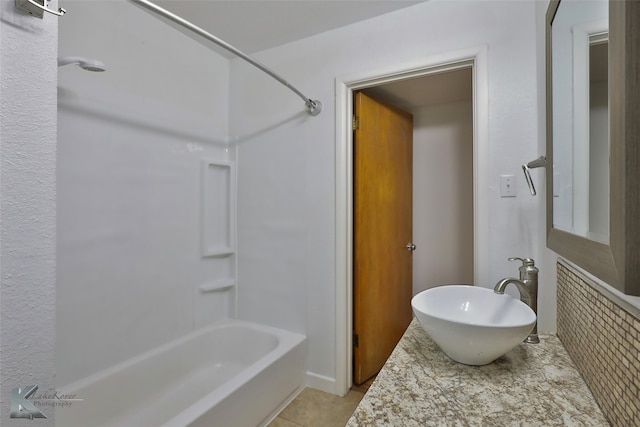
column 592, row 138
column 579, row 48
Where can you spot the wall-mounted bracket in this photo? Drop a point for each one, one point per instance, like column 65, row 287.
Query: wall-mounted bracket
column 540, row 162
column 37, row 8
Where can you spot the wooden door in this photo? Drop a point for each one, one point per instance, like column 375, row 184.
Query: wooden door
column 383, row 193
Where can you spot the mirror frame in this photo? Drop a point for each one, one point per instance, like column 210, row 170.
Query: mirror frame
column 617, row 263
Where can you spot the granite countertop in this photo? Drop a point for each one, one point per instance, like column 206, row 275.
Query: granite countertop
column 532, row 385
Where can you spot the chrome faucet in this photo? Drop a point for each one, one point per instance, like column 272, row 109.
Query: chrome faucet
column 528, row 287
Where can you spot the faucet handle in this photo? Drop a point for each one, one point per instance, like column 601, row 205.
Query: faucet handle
column 526, row 262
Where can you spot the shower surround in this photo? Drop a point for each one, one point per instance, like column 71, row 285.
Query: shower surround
column 133, row 143
column 146, row 248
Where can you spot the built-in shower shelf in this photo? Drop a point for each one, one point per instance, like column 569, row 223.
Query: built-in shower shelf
column 219, row 252
column 218, row 208
column 218, row 285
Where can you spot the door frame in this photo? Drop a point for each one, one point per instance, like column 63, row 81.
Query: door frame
column 476, row 58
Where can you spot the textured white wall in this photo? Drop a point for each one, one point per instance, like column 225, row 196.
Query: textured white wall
column 130, row 144
column 443, row 195
column 287, row 160
column 28, row 48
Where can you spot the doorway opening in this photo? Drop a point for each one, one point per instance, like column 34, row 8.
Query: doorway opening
column 470, row 65
column 413, row 203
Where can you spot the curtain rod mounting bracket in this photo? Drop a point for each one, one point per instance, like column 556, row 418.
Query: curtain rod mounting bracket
column 313, row 107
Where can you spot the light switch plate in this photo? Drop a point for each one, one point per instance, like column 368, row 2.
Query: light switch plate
column 507, row 186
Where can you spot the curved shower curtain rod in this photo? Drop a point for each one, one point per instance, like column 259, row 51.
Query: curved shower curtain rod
column 312, row 107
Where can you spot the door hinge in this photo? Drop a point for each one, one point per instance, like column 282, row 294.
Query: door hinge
column 355, row 340
column 355, row 123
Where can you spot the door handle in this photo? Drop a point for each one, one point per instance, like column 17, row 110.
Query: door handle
column 411, row 247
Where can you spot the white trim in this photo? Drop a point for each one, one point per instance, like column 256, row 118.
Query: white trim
column 344, row 86
column 481, row 167
column 320, row 382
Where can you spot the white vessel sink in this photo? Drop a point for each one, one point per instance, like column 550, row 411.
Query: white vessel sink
column 471, row 324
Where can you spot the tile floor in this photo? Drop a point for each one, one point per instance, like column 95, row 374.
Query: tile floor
column 314, row 408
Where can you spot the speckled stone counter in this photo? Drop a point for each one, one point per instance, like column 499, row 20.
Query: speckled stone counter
column 532, row 385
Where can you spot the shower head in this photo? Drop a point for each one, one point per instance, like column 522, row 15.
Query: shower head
column 84, row 63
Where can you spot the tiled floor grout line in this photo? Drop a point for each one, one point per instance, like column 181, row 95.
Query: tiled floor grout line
column 290, row 420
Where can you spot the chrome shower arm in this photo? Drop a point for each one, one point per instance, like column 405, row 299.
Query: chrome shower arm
column 313, row 107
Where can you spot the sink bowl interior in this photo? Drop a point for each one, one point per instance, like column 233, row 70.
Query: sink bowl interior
column 471, row 324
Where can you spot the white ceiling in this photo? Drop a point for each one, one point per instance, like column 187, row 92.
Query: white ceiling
column 255, row 25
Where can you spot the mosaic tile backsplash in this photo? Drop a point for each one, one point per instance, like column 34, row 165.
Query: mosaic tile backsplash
column 603, row 340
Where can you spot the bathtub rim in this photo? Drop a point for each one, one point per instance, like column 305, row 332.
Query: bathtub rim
column 287, row 342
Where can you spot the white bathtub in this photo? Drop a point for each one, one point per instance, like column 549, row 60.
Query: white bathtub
column 230, row 374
